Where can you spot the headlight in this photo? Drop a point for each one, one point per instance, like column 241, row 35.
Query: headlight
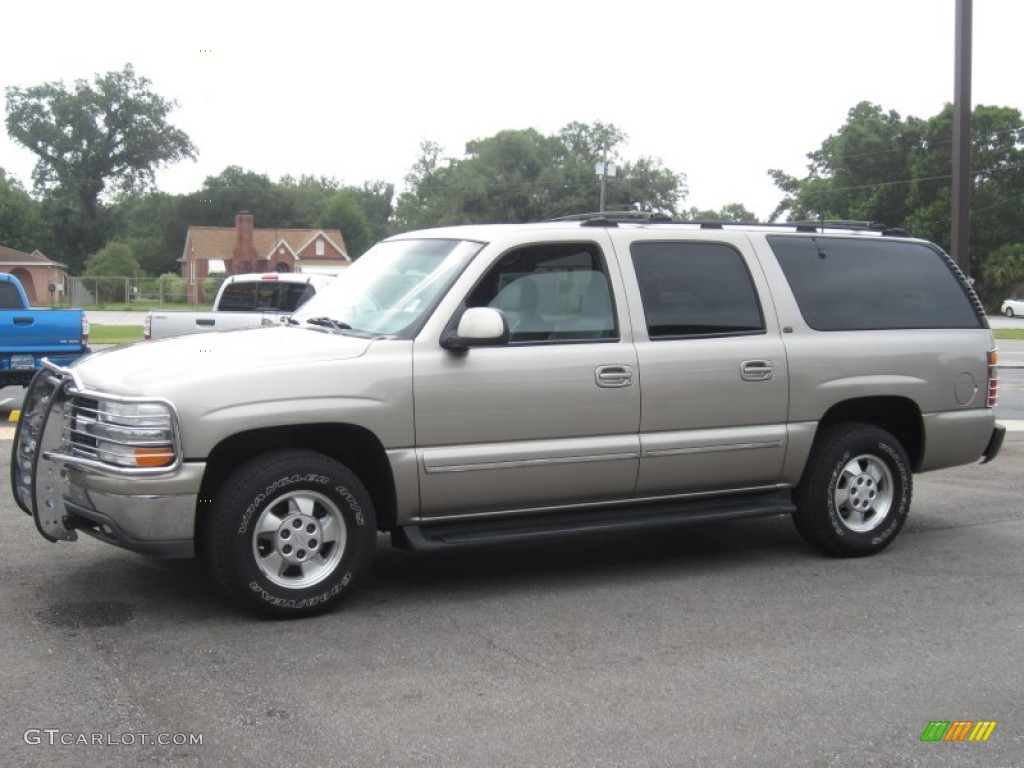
column 138, row 435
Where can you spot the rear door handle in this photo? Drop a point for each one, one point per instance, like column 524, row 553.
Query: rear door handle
column 756, row 370
column 614, row 376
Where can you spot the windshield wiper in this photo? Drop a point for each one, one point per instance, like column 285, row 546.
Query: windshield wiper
column 329, row 322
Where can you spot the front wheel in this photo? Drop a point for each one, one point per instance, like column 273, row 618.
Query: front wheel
column 290, row 533
column 856, row 491
column 1009, row 311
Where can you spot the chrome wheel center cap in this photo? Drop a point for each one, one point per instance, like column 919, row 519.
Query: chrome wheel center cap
column 863, row 492
column 298, row 538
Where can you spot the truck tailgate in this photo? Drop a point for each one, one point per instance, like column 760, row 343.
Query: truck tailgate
column 40, row 332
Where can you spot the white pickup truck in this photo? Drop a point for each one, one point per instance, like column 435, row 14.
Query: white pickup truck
column 243, row 301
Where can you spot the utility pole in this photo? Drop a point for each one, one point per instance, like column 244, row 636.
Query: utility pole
column 604, row 170
column 960, row 240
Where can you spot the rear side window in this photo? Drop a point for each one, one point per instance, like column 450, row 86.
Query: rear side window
column 854, row 284
column 9, row 297
column 270, row 295
column 287, row 297
column 695, row 289
column 238, row 297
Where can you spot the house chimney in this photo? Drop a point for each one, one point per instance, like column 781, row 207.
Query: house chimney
column 245, row 250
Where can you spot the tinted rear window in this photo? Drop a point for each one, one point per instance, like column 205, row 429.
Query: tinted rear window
column 872, row 284
column 268, row 295
column 9, row 297
column 695, row 289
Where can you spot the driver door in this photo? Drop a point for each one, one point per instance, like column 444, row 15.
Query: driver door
column 552, row 417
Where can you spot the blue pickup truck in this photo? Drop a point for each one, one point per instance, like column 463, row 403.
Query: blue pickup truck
column 28, row 335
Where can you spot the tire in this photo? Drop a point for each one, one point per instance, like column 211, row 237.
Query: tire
column 856, row 491
column 290, row 534
column 1009, row 311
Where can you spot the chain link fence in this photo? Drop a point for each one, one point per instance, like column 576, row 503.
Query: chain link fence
column 167, row 291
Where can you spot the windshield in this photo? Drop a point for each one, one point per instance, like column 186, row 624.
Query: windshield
column 390, row 288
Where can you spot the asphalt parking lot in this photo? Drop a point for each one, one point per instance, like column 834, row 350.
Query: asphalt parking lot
column 718, row 645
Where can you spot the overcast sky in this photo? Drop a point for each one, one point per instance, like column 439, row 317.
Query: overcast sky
column 719, row 90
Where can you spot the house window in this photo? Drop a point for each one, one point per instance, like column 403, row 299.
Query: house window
column 319, row 247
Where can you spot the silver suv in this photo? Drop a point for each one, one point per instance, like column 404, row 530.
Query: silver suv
column 513, row 382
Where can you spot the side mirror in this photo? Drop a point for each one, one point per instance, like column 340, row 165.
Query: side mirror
column 478, row 327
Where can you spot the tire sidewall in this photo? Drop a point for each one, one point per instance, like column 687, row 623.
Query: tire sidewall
column 249, row 584
column 894, row 458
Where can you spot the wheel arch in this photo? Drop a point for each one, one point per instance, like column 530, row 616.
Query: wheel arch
column 355, row 447
column 899, row 416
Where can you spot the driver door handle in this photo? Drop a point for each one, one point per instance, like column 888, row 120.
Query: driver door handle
column 614, row 376
column 756, row 370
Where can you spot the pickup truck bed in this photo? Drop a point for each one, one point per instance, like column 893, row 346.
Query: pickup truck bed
column 243, row 301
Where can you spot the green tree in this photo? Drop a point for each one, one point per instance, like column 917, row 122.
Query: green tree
column 21, row 221
column 114, row 260
column 1003, row 272
column 112, row 132
column 344, row 213
column 424, row 203
column 522, row 175
column 730, row 212
column 210, row 285
column 109, row 267
column 883, row 168
column 154, row 226
column 172, row 288
column 997, row 183
column 860, row 173
column 377, row 201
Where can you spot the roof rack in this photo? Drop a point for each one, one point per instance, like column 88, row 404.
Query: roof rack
column 612, row 219
column 853, row 225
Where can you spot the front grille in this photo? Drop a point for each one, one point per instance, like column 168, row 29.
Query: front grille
column 80, row 414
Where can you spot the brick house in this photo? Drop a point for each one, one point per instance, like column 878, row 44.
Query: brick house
column 245, row 248
column 36, row 273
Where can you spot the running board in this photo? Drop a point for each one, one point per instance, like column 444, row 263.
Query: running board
column 534, row 527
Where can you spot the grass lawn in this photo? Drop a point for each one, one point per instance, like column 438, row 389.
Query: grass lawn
column 1009, row 333
column 114, row 334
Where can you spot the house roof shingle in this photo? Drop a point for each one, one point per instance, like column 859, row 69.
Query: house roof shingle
column 219, row 242
column 9, row 256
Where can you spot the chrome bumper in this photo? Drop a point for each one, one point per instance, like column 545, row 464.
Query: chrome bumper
column 154, row 514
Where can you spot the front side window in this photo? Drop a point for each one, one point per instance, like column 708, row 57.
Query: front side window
column 550, row 292
column 695, row 289
column 872, row 284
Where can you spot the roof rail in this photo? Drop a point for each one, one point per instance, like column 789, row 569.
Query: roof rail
column 853, row 225
column 612, row 219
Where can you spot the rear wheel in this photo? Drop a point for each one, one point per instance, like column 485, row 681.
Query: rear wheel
column 290, row 533
column 1009, row 311
column 856, row 491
